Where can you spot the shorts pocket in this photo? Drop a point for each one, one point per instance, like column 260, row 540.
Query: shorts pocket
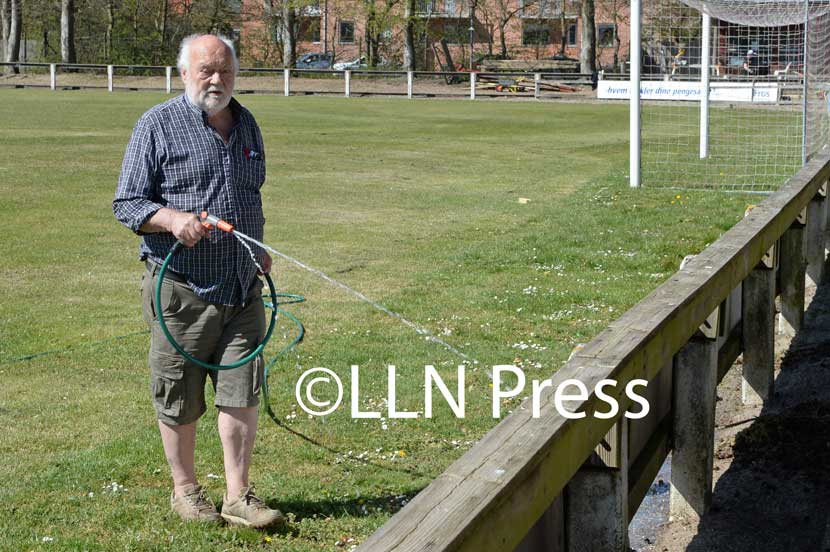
column 166, row 383
column 170, row 300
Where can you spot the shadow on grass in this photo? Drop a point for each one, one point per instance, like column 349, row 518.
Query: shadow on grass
column 402, row 469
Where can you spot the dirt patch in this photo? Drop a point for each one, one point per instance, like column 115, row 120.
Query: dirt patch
column 772, row 465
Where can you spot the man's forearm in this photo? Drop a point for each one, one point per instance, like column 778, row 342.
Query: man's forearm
column 186, row 227
column 160, row 221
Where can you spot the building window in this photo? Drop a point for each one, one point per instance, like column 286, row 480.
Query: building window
column 347, row 32
column 310, row 30
column 572, row 34
column 605, row 35
column 535, row 33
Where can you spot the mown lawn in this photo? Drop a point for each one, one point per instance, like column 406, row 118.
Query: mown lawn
column 416, row 204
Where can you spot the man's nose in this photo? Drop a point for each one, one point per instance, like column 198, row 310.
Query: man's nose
column 216, row 77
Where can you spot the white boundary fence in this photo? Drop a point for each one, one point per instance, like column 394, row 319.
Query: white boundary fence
column 282, row 81
column 559, row 484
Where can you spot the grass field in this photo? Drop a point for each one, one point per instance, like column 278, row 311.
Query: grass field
column 413, row 203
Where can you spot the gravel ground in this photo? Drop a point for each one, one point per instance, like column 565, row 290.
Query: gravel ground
column 772, row 465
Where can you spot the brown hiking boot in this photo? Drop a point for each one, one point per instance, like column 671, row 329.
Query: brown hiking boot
column 248, row 510
column 195, row 505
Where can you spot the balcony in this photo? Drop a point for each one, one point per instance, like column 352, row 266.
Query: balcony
column 444, row 9
column 310, row 10
column 548, row 9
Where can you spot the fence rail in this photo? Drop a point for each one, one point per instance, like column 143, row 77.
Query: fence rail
column 555, row 483
column 304, row 81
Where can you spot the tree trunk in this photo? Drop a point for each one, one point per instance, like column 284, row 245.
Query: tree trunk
column 588, row 48
column 409, row 39
column 503, row 39
column 110, row 26
column 162, row 31
column 5, row 22
column 289, row 30
column 563, row 30
column 371, row 34
column 13, row 45
column 67, row 31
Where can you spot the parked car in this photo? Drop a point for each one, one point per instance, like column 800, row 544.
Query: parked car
column 359, row 63
column 314, row 61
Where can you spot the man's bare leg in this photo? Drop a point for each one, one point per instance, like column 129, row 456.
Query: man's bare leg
column 237, row 430
column 179, row 443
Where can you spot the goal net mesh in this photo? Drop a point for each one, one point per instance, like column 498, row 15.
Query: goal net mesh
column 764, row 119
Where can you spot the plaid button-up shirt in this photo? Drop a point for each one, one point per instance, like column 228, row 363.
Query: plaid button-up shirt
column 176, row 159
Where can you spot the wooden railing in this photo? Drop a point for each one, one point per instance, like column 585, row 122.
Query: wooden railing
column 554, row 483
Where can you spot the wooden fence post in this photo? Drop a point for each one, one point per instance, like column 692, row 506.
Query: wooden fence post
column 816, row 228
column 758, row 331
column 693, row 388
column 596, row 498
column 791, row 277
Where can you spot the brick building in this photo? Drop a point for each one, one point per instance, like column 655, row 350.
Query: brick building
column 527, row 29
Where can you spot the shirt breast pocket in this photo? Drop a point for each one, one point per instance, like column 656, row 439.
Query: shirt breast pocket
column 251, row 173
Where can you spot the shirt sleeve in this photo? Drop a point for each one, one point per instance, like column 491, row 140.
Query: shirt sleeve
column 136, row 197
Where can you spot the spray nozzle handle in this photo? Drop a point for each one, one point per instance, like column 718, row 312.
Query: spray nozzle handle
column 209, row 221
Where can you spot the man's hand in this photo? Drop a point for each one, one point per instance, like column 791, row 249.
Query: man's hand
column 265, row 263
column 186, row 227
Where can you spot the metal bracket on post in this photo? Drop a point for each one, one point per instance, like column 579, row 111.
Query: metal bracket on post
column 712, row 327
column 770, row 258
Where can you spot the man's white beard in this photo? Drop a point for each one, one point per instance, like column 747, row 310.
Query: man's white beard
column 208, row 103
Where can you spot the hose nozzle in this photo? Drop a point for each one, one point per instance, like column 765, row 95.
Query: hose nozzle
column 209, row 221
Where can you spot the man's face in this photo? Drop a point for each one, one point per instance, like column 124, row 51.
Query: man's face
column 210, row 76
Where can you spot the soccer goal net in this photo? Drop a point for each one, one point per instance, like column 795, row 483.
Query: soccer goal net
column 765, row 66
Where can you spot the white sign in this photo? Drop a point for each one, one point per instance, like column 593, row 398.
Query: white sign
column 690, row 91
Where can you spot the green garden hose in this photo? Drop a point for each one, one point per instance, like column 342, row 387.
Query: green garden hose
column 271, row 300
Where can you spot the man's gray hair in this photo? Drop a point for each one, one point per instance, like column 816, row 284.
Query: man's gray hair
column 183, row 61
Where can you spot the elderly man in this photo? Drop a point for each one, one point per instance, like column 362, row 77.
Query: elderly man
column 201, row 151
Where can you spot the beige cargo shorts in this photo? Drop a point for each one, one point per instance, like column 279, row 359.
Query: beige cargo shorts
column 218, row 334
